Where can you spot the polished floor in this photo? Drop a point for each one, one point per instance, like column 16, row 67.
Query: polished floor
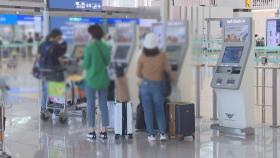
column 27, row 136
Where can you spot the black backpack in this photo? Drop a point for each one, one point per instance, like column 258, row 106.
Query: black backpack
column 46, row 50
column 44, row 60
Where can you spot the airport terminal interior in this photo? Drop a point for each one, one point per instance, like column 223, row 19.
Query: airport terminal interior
column 139, row 78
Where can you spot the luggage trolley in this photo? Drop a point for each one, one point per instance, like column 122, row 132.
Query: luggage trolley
column 3, row 104
column 63, row 99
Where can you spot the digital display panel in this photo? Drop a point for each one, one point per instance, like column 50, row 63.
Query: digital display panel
column 273, row 32
column 174, row 52
column 113, row 21
column 176, row 33
column 232, row 54
column 74, row 29
column 121, row 52
column 125, row 33
column 92, row 5
column 78, row 51
column 236, row 30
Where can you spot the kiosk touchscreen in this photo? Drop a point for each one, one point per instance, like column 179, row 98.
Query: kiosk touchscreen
column 78, row 51
column 125, row 42
column 73, row 62
column 232, row 79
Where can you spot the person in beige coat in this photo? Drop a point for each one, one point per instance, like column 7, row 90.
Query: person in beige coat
column 152, row 64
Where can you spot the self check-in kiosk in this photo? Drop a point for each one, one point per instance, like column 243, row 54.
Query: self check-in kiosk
column 233, row 79
column 174, row 41
column 125, row 39
column 176, row 44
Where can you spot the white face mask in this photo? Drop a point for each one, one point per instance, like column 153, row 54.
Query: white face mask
column 61, row 41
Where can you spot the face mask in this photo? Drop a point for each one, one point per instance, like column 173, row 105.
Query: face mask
column 61, row 41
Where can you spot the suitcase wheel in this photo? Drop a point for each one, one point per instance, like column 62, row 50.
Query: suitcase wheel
column 45, row 116
column 117, row 137
column 63, row 117
column 130, row 136
column 180, row 138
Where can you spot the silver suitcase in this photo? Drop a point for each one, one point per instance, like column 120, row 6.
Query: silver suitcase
column 123, row 120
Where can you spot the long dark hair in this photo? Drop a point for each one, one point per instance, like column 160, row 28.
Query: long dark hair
column 151, row 52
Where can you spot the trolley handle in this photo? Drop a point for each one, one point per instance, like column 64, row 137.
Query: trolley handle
column 54, row 69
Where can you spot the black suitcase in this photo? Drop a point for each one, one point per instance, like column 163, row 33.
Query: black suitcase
column 181, row 120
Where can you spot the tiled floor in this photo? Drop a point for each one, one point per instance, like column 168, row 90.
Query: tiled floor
column 28, row 137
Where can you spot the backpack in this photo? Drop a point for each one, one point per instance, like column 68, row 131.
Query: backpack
column 45, row 51
column 44, row 60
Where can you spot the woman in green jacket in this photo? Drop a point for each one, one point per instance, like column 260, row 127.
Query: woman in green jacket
column 96, row 60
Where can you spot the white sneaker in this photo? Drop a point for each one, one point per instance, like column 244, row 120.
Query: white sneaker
column 163, row 137
column 151, row 138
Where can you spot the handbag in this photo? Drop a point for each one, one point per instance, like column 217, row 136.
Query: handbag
column 36, row 69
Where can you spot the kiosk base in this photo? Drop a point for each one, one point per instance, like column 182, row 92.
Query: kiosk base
column 4, row 155
column 234, row 131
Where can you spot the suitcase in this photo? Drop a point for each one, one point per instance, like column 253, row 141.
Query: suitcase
column 123, row 119
column 181, row 120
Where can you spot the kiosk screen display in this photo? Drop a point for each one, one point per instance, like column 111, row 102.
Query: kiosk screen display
column 121, row 52
column 173, row 52
column 176, row 34
column 78, row 51
column 273, row 32
column 232, row 54
column 124, row 34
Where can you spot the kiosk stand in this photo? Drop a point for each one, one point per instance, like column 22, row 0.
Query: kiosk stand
column 125, row 43
column 233, row 79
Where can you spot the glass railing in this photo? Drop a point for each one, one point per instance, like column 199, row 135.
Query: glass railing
column 207, row 51
column 18, row 45
column 12, row 50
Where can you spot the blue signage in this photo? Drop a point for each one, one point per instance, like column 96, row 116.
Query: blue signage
column 8, row 19
column 25, row 18
column 91, row 5
column 113, row 21
column 13, row 19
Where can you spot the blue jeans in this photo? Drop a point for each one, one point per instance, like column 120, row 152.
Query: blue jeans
column 44, row 95
column 102, row 98
column 153, row 103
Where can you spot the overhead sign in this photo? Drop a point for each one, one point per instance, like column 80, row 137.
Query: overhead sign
column 13, row 19
column 8, row 19
column 74, row 28
column 113, row 21
column 91, row 5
